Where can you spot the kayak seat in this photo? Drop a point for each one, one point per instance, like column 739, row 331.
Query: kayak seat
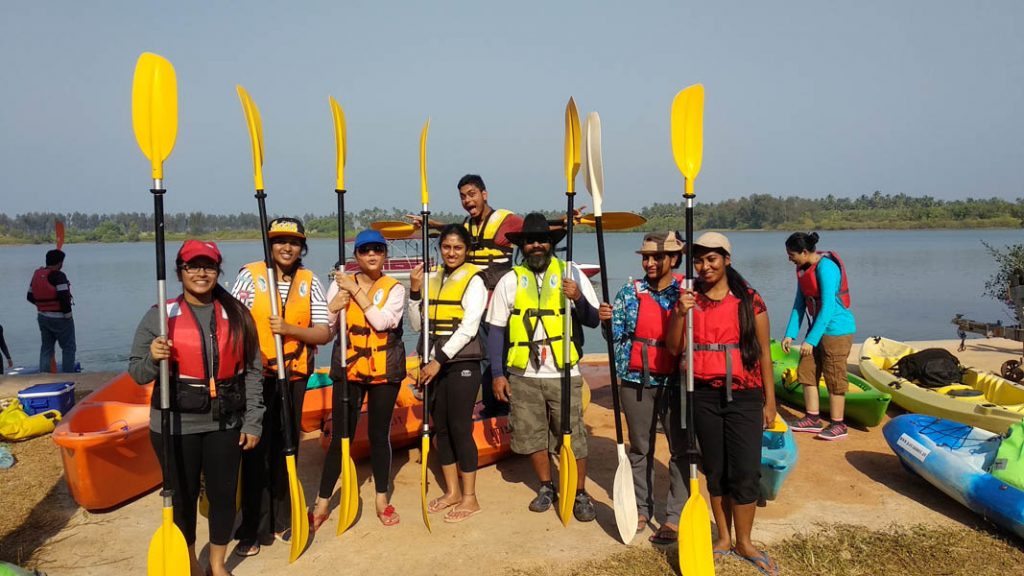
column 964, row 393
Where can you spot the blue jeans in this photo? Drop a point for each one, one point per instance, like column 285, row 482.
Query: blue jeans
column 61, row 331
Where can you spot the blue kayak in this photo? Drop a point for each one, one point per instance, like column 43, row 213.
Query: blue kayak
column 955, row 458
column 778, row 456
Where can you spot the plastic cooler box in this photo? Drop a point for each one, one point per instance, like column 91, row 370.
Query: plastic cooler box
column 42, row 397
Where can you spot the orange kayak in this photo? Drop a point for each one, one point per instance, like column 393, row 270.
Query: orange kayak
column 105, row 447
column 318, row 402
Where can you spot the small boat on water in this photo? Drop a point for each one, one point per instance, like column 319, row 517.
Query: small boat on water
column 980, row 399
column 864, row 404
column 956, row 458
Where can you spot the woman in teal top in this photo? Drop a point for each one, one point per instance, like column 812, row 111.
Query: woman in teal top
column 822, row 295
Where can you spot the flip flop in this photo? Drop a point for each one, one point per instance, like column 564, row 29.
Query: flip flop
column 437, row 504
column 641, row 523
column 388, row 517
column 718, row 554
column 664, row 536
column 247, row 549
column 456, row 515
column 762, row 558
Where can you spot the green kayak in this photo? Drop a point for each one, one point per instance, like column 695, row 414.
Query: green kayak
column 864, row 404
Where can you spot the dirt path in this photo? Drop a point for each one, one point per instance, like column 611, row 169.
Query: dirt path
column 856, row 481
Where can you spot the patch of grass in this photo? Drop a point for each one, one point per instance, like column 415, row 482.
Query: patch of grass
column 835, row 550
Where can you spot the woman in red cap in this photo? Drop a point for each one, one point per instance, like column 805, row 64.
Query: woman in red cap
column 374, row 304
column 216, row 401
column 302, row 325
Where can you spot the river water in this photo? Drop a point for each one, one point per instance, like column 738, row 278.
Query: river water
column 905, row 285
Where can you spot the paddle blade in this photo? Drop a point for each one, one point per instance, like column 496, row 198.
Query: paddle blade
column 688, row 132
column 394, row 229
column 168, row 553
column 424, row 451
column 59, row 232
column 424, row 192
column 614, row 220
column 624, row 498
column 300, row 522
column 593, row 172
column 155, row 109
column 572, row 145
column 695, row 554
column 255, row 125
column 339, row 139
column 567, row 479
column 349, row 489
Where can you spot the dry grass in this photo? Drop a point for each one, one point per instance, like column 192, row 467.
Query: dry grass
column 836, row 550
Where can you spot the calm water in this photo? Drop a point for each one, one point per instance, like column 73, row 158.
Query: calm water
column 904, row 284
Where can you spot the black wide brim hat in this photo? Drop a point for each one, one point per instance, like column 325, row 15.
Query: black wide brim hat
column 536, row 224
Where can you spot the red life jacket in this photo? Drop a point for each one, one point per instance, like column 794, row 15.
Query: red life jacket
column 807, row 280
column 647, row 353
column 716, row 351
column 189, row 352
column 44, row 293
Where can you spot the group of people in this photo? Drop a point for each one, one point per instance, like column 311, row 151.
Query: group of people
column 497, row 328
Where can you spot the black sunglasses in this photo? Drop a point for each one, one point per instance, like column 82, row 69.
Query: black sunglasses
column 376, row 248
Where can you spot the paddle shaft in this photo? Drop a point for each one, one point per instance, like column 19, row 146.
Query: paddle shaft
column 161, row 299
column 425, row 213
column 282, row 380
column 606, row 328
column 567, row 330
column 687, row 399
column 341, row 420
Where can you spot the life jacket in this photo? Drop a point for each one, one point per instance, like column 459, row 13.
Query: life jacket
column 647, row 353
column 296, row 311
column 716, row 350
column 807, row 280
column 44, row 293
column 492, row 259
column 546, row 304
column 374, row 357
column 445, row 298
column 199, row 377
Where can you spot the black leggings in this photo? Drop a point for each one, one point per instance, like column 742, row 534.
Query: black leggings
column 266, row 503
column 216, row 455
column 730, row 441
column 379, row 409
column 454, row 395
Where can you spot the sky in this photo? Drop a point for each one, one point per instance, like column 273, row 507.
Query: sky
column 803, row 98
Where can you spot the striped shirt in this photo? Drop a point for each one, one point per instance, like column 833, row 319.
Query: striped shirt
column 245, row 291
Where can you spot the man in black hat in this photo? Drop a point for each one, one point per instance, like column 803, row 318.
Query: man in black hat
column 50, row 291
column 527, row 312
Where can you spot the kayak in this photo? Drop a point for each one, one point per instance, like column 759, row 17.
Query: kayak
column 980, row 399
column 864, row 404
column 318, row 400
column 105, row 446
column 956, row 458
column 778, row 456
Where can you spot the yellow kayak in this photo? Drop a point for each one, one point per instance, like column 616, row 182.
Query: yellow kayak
column 981, row 399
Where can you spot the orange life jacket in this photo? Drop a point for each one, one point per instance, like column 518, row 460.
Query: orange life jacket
column 44, row 293
column 647, row 353
column 807, row 280
column 374, row 357
column 716, row 350
column 296, row 311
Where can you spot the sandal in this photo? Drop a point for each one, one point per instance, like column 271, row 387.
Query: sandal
column 246, row 549
column 438, row 504
column 641, row 523
column 389, row 517
column 762, row 562
column 664, row 536
column 317, row 520
column 457, row 515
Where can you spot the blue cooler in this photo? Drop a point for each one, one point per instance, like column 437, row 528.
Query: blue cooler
column 42, row 397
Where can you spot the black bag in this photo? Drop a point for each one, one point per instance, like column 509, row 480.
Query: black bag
column 930, row 368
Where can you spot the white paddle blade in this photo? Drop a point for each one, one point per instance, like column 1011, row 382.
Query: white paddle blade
column 593, row 171
column 624, row 498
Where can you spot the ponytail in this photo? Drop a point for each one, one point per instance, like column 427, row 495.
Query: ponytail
column 750, row 348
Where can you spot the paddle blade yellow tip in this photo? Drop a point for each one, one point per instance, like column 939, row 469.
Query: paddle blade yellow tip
column 340, row 140
column 572, row 145
column 300, row 522
column 424, row 192
column 155, row 109
column 567, row 479
column 424, row 452
column 695, row 552
column 688, row 132
column 349, row 496
column 255, row 125
column 168, row 553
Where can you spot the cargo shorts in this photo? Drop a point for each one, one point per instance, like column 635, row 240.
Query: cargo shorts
column 536, row 412
column 828, row 361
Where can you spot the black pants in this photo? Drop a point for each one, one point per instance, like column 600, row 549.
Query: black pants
column 266, row 504
column 380, row 405
column 730, row 441
column 215, row 454
column 454, row 396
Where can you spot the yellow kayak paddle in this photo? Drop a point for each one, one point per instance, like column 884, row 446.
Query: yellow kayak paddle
column 425, row 213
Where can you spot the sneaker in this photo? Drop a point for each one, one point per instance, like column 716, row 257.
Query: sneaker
column 808, row 424
column 583, row 508
column 546, row 496
column 835, row 431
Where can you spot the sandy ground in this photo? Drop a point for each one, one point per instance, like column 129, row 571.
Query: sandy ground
column 856, row 481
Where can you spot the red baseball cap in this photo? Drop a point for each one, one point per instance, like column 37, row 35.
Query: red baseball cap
column 193, row 249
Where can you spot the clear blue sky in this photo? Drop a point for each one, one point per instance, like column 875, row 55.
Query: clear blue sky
column 803, row 97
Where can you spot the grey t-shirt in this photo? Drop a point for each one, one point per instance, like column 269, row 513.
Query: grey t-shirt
column 142, row 369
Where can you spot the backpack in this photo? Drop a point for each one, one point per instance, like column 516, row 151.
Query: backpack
column 1009, row 463
column 930, row 368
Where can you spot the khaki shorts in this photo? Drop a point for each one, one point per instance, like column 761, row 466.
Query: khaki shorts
column 828, row 361
column 536, row 414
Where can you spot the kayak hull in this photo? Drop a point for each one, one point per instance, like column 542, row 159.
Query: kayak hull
column 778, row 457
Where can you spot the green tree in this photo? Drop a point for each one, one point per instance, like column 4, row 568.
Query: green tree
column 1009, row 262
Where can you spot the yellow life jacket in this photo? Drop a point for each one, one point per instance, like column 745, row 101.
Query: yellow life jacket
column 296, row 311
column 538, row 302
column 446, row 312
column 493, row 259
column 374, row 357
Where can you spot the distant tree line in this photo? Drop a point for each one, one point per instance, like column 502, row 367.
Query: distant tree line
column 755, row 212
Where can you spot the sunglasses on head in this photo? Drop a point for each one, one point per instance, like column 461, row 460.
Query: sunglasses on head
column 375, row 248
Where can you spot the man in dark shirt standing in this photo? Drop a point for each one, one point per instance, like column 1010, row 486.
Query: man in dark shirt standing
column 50, row 291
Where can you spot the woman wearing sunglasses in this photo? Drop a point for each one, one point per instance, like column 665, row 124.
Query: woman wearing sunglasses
column 373, row 304
column 216, row 400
